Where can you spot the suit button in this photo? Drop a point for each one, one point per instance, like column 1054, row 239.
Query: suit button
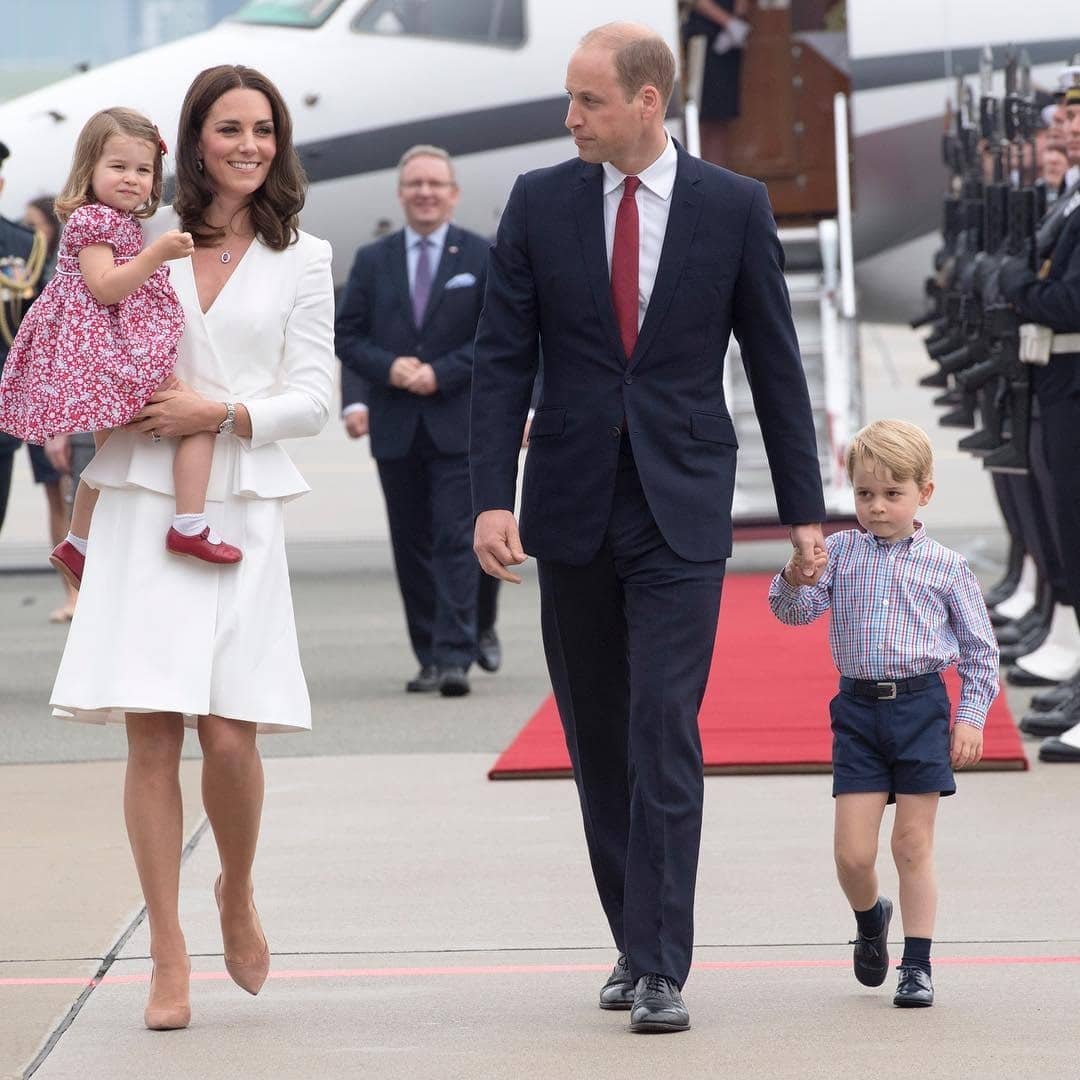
column 616, row 432
column 628, row 380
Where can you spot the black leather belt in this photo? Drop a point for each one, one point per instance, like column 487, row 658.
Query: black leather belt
column 887, row 689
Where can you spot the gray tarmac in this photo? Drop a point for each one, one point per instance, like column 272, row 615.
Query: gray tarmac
column 426, row 922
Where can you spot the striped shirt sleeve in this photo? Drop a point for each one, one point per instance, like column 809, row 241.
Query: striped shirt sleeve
column 800, row 605
column 978, row 663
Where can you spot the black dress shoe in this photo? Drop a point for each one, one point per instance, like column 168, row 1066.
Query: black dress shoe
column 427, row 679
column 915, row 990
column 1056, row 696
column 1056, row 750
column 488, row 650
column 870, row 957
column 1018, row 676
column 658, row 1006
column 618, row 991
column 1044, row 724
column 453, row 682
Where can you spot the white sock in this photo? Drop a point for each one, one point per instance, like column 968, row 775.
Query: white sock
column 77, row 543
column 193, row 524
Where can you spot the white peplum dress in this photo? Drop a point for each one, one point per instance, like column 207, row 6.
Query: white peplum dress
column 156, row 633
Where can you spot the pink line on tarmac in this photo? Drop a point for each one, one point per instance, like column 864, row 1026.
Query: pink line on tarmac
column 525, row 969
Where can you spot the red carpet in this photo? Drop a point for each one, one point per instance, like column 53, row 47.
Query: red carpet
column 766, row 706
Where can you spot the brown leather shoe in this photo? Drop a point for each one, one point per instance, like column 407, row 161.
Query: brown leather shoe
column 249, row 975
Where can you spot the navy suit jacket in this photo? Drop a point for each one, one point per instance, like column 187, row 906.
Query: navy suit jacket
column 721, row 270
column 375, row 325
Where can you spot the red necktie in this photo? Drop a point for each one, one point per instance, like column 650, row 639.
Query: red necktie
column 624, row 266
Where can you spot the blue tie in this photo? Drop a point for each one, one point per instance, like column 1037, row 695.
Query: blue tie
column 421, row 281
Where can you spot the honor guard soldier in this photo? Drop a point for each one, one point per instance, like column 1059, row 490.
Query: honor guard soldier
column 22, row 258
column 1050, row 341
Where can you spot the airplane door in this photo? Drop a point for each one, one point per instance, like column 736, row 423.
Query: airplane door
column 794, row 62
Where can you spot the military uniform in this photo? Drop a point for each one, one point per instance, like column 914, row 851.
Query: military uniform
column 22, row 258
column 1051, row 299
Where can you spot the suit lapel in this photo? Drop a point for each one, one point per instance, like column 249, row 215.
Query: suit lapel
column 451, row 256
column 399, row 273
column 588, row 201
column 686, row 202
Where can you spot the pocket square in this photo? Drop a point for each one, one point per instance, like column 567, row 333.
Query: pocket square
column 460, row 281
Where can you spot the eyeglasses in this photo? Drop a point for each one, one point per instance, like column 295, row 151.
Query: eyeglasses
column 435, row 185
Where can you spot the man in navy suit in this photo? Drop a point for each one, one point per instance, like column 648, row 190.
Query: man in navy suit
column 633, row 265
column 405, row 325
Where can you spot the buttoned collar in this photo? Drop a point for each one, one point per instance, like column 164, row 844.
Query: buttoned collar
column 659, row 177
column 436, row 238
column 913, row 541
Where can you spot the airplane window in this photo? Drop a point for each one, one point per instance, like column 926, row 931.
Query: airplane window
column 493, row 22
column 305, row 13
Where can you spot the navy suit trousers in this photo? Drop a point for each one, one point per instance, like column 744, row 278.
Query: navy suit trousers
column 430, row 513
column 629, row 640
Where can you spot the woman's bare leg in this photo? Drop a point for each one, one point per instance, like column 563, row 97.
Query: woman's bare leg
column 191, row 471
column 82, row 509
column 232, row 785
column 154, row 814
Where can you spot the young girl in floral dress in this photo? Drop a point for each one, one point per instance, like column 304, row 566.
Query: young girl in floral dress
column 102, row 337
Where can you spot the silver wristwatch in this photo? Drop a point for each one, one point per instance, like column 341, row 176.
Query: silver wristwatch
column 226, row 426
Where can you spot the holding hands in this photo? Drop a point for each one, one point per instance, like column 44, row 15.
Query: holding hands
column 809, row 559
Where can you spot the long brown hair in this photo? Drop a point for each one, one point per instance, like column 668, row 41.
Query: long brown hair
column 274, row 207
column 89, row 147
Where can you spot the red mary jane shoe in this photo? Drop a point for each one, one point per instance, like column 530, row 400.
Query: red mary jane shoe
column 69, row 561
column 199, row 547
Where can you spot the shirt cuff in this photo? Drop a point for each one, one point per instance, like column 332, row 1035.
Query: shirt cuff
column 356, row 406
column 968, row 715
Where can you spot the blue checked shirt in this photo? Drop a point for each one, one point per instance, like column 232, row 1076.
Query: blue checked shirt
column 898, row 610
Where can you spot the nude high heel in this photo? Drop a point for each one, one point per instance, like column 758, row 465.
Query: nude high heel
column 251, row 975
column 158, row 1017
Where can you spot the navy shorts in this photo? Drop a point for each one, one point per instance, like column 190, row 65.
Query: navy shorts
column 900, row 745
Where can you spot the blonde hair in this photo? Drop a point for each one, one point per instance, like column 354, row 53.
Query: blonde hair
column 426, row 150
column 96, row 132
column 642, row 57
column 902, row 448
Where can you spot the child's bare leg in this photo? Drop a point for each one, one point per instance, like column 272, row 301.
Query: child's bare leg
column 913, row 850
column 855, row 845
column 191, row 471
column 82, row 509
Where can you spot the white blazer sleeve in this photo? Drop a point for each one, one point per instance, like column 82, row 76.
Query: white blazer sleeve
column 302, row 408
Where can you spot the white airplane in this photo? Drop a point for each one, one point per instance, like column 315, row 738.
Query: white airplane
column 365, row 79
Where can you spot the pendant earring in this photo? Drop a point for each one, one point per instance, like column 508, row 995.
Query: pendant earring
column 199, row 164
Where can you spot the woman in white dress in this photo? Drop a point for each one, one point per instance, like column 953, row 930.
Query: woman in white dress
column 157, row 641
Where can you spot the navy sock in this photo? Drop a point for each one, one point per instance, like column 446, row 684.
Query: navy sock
column 869, row 921
column 917, row 953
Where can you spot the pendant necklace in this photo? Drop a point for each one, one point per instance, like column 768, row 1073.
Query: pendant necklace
column 226, row 257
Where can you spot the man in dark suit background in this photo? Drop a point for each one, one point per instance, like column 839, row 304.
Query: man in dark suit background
column 633, row 265
column 405, row 325
column 354, row 415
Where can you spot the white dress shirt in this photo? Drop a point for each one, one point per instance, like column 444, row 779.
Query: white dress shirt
column 653, row 199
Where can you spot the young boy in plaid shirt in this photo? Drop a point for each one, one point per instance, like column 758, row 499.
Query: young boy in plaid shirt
column 904, row 608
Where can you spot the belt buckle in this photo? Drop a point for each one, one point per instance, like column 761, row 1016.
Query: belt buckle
column 890, row 696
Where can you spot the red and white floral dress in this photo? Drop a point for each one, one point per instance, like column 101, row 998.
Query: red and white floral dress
column 77, row 365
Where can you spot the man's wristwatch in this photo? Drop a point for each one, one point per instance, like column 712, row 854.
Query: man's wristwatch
column 226, row 426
